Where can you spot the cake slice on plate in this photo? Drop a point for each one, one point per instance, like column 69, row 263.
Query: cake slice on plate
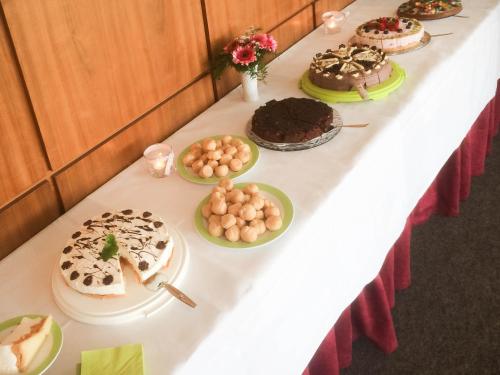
column 19, row 347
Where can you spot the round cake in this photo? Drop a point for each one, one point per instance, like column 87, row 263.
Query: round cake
column 430, row 9
column 141, row 240
column 353, row 67
column 391, row 34
column 292, row 120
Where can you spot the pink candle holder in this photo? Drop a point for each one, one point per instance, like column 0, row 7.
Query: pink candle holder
column 160, row 159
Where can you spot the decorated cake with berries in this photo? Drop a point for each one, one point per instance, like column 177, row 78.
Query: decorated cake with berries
column 390, row 34
column 91, row 263
column 430, row 9
column 350, row 67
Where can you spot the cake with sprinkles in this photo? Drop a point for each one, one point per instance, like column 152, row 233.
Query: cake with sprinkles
column 91, row 262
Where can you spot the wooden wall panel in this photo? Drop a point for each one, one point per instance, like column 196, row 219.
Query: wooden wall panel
column 90, row 173
column 93, row 66
column 22, row 161
column 323, row 6
column 28, row 216
column 263, row 13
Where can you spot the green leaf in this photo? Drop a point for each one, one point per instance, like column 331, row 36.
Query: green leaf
column 110, row 248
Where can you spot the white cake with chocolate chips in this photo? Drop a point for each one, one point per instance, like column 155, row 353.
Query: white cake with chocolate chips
column 90, row 266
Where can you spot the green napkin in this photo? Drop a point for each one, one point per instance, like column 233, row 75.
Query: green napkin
column 122, row 360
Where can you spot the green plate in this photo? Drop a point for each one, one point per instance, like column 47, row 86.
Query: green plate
column 376, row 92
column 279, row 198
column 188, row 174
column 40, row 365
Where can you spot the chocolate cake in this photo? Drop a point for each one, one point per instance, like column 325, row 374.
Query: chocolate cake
column 292, row 120
column 430, row 9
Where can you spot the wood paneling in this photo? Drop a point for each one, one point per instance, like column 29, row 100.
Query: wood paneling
column 22, row 162
column 91, row 172
column 269, row 15
column 93, row 66
column 28, row 216
column 323, row 6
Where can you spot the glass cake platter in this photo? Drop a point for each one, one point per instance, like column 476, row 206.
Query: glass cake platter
column 315, row 142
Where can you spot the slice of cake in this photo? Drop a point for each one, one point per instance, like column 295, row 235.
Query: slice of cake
column 142, row 240
column 347, row 68
column 292, row 120
column 390, row 34
column 18, row 349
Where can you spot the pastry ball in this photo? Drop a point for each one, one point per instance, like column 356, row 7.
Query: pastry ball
column 215, row 229
column 259, row 225
column 227, row 184
column 236, row 165
column 251, row 189
column 248, row 234
column 195, row 147
column 197, row 165
column 225, row 159
column 268, row 203
column 218, row 143
column 208, row 144
column 227, row 221
column 206, row 171
column 244, row 148
column 213, row 163
column 204, row 158
column 217, row 196
column 273, row 223
column 231, row 151
column 272, row 211
column 214, row 155
column 226, row 139
column 259, row 214
column 188, row 159
column 237, row 142
column 257, row 202
column 247, row 198
column 240, row 222
column 243, row 156
column 234, row 209
column 233, row 233
column 219, row 189
column 221, row 170
column 219, row 207
column 247, row 212
column 236, row 195
column 214, row 218
column 206, row 210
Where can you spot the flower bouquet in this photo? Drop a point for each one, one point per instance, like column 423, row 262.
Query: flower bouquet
column 246, row 53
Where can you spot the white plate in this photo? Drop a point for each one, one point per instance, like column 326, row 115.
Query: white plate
column 138, row 302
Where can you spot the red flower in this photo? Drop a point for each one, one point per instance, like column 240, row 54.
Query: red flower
column 265, row 41
column 244, row 55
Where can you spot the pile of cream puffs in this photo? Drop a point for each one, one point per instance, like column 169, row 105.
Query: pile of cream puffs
column 217, row 157
column 240, row 213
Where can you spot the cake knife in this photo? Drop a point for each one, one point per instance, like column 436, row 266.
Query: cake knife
column 155, row 285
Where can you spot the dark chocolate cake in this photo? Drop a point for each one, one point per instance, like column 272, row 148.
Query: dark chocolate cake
column 292, row 120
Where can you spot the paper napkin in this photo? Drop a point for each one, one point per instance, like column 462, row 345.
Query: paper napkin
column 122, row 360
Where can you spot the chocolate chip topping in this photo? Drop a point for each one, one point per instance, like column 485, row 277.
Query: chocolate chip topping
column 107, row 280
column 74, row 275
column 67, row 249
column 76, row 234
column 158, row 224
column 88, row 280
column 87, row 223
column 66, row 265
column 161, row 245
column 106, row 214
column 146, row 214
column 127, row 211
column 143, row 265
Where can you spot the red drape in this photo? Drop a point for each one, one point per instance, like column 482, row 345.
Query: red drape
column 370, row 313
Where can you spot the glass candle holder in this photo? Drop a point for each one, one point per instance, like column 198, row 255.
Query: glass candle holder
column 332, row 21
column 160, row 159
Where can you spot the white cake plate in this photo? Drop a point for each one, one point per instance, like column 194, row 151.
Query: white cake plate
column 138, row 302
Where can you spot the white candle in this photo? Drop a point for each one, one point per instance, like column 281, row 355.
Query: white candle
column 160, row 159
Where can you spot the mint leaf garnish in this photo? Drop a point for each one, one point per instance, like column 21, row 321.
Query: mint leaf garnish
column 110, row 248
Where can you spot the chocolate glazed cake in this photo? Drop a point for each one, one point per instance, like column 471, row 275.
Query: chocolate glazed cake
column 292, row 120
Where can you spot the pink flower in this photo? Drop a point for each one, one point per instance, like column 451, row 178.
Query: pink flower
column 271, row 43
column 259, row 38
column 265, row 41
column 244, row 55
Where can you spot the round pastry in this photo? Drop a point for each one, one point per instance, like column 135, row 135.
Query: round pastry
column 391, row 34
column 354, row 67
column 141, row 239
column 430, row 9
column 292, row 120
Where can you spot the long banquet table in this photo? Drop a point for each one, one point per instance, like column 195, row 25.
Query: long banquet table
column 266, row 310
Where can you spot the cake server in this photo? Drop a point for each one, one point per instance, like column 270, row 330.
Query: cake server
column 155, row 285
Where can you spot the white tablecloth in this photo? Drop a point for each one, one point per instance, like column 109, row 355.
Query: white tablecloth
column 266, row 310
